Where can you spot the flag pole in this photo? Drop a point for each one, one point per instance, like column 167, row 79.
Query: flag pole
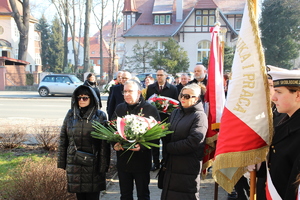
column 253, row 173
column 252, row 184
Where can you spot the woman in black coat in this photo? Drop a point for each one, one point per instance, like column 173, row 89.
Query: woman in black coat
column 85, row 180
column 185, row 148
column 91, row 81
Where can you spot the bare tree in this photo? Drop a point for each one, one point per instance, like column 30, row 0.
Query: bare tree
column 63, row 12
column 64, row 7
column 23, row 26
column 112, row 44
column 100, row 22
column 86, row 44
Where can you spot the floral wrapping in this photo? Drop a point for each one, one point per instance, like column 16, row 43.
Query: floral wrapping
column 163, row 104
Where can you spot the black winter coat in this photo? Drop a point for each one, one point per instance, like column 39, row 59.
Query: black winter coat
column 116, row 97
column 96, row 89
column 185, row 152
column 76, row 131
column 284, row 156
column 140, row 161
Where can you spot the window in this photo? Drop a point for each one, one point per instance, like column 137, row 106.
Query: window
column 16, row 53
column 159, row 45
column 238, row 22
column 128, row 21
column 203, row 50
column 168, row 19
column 99, row 62
column 205, row 18
column 162, row 19
column 38, row 59
column 156, row 19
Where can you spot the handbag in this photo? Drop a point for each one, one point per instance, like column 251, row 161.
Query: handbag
column 160, row 177
column 84, row 158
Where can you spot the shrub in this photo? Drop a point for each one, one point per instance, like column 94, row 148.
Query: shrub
column 47, row 137
column 13, row 136
column 29, row 79
column 36, row 180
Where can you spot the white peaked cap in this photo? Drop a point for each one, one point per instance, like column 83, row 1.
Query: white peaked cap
column 285, row 78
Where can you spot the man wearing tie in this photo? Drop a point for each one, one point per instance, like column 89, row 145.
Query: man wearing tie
column 163, row 88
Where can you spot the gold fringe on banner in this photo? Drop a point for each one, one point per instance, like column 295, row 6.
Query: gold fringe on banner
column 235, row 160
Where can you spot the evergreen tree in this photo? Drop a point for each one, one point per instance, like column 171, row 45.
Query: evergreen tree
column 142, row 56
column 279, row 25
column 44, row 28
column 228, row 58
column 172, row 58
column 56, row 47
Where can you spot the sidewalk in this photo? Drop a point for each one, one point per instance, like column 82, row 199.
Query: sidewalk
column 206, row 190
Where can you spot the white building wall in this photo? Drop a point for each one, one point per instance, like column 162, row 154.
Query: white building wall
column 71, row 54
column 11, row 34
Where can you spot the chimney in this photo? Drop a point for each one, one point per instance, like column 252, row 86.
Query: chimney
column 179, row 10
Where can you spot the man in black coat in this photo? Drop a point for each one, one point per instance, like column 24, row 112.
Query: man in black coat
column 116, row 95
column 134, row 164
column 184, row 79
column 117, row 81
column 163, row 88
column 200, row 75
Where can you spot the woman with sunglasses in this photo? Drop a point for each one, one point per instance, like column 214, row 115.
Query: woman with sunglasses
column 185, row 147
column 88, row 179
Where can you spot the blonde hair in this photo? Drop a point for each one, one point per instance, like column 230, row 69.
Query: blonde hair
column 195, row 87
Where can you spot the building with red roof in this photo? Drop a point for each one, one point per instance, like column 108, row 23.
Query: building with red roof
column 187, row 21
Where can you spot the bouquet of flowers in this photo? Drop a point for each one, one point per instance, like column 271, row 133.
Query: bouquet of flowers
column 108, row 86
column 132, row 129
column 163, row 104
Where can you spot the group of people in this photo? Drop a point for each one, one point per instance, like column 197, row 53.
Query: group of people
column 182, row 151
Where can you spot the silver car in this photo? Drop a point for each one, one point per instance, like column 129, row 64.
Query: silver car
column 58, row 84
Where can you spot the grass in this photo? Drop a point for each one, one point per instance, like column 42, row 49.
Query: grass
column 11, row 160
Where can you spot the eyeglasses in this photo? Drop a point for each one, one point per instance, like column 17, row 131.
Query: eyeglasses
column 127, row 92
column 83, row 98
column 159, row 74
column 186, row 96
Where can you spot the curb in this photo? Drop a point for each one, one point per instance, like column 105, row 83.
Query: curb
column 108, row 184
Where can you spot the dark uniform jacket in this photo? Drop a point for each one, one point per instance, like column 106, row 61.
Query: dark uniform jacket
column 140, row 161
column 179, row 87
column 185, row 151
column 96, row 89
column 168, row 91
column 284, row 155
column 76, row 131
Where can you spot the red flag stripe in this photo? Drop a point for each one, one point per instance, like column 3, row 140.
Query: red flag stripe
column 239, row 135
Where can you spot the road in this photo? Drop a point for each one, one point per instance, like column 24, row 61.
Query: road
column 29, row 105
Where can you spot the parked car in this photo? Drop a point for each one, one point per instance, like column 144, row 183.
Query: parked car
column 58, row 84
column 142, row 76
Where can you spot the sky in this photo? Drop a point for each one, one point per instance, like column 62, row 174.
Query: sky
column 45, row 7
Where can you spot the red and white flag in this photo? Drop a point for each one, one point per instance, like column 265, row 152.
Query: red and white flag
column 214, row 96
column 246, row 123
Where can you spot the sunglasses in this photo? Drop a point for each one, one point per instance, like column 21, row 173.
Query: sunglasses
column 186, row 96
column 83, row 98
